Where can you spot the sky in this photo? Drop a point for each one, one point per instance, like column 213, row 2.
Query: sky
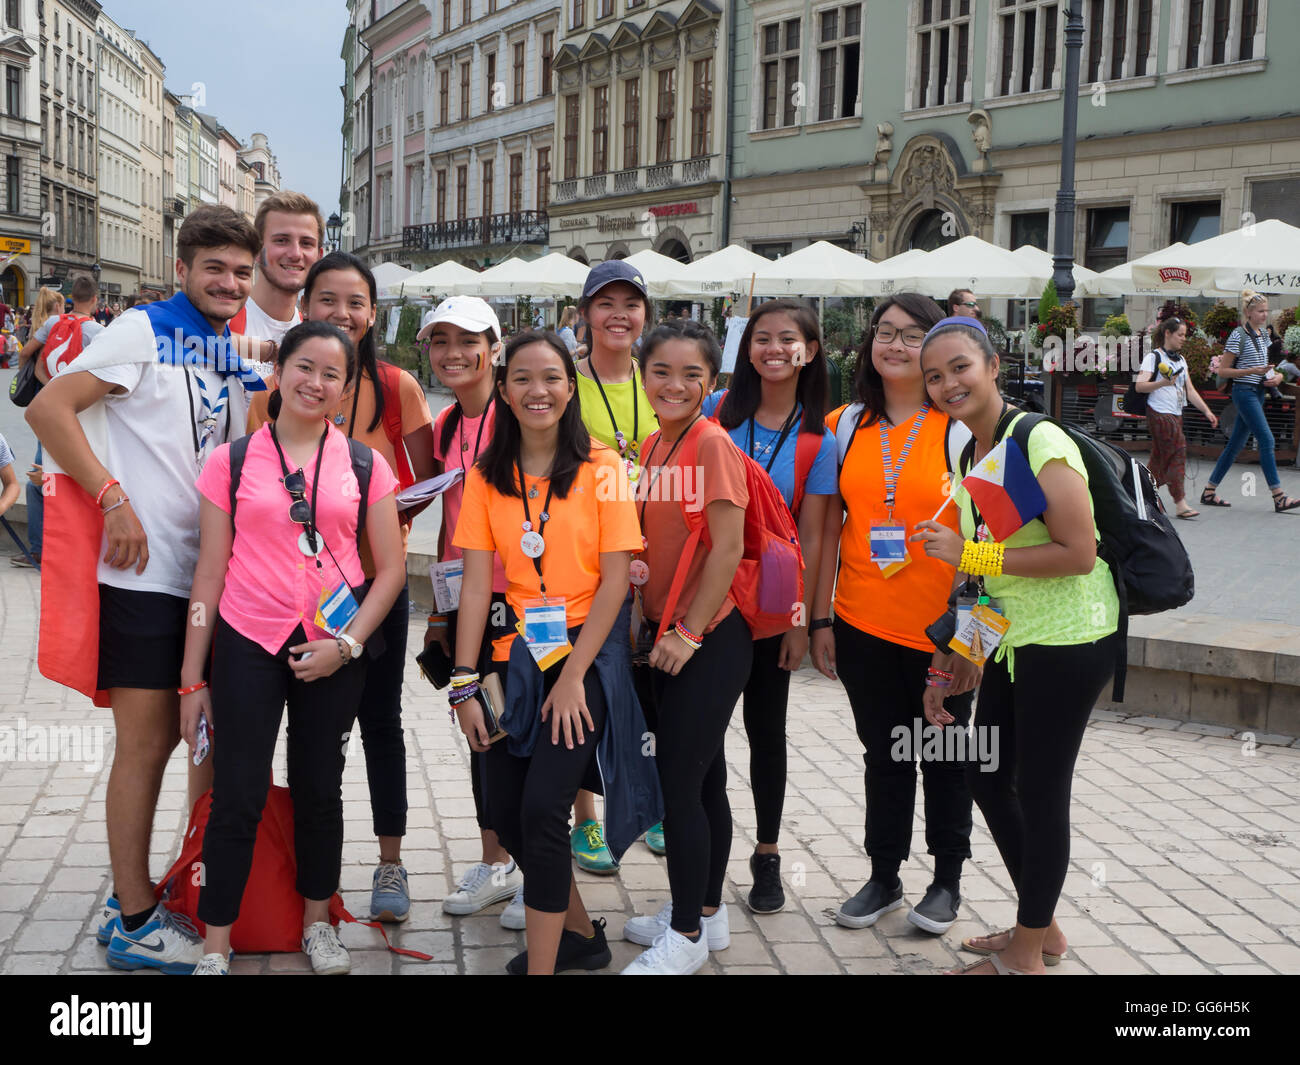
column 268, row 67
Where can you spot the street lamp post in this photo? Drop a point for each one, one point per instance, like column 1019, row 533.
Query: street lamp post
column 1063, row 259
column 333, row 229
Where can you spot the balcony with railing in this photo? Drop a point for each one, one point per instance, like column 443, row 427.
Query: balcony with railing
column 566, row 190
column 516, row 227
column 173, row 207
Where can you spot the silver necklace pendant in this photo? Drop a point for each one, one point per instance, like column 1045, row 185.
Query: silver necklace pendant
column 532, row 493
column 339, row 418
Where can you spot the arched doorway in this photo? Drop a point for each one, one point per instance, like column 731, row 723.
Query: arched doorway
column 675, row 249
column 13, row 285
column 580, row 255
column 932, row 229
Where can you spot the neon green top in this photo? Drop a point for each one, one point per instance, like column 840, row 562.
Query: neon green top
column 621, row 396
column 1054, row 611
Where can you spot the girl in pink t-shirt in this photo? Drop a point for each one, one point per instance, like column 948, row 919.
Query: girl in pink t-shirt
column 278, row 566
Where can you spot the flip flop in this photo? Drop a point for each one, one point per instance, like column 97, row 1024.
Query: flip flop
column 969, row 945
column 1188, row 515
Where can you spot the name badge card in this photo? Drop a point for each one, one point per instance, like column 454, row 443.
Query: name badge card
column 336, row 609
column 888, row 543
column 446, row 578
column 546, row 632
column 982, row 634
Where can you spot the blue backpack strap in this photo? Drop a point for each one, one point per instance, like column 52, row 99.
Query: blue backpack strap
column 238, row 452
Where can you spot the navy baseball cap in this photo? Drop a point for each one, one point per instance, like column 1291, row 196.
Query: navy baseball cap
column 608, row 272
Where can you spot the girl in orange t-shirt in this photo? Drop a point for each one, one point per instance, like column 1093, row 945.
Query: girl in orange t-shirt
column 701, row 664
column 893, row 475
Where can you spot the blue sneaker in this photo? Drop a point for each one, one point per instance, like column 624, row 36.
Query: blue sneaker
column 654, row 838
column 110, row 920
column 589, row 850
column 390, row 899
column 167, row 941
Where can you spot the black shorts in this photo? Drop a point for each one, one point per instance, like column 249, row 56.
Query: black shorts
column 141, row 638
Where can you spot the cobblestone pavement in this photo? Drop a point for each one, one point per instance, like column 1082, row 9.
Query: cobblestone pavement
column 1185, row 854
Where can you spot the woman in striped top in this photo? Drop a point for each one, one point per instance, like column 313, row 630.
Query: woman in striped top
column 1245, row 363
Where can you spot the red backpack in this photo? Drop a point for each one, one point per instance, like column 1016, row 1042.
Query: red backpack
column 64, row 342
column 768, row 585
column 270, row 919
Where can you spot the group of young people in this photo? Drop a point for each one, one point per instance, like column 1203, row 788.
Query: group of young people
column 252, row 557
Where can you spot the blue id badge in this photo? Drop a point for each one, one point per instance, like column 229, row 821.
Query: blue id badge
column 888, row 543
column 336, row 609
column 545, row 631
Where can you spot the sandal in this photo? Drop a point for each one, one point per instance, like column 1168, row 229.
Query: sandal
column 1188, row 515
column 1282, row 502
column 969, row 945
column 1000, row 968
column 1209, row 499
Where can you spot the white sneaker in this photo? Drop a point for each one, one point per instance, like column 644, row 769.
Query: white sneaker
column 213, row 965
column 328, row 956
column 167, row 941
column 671, row 955
column 481, row 886
column 513, row 916
column 716, row 929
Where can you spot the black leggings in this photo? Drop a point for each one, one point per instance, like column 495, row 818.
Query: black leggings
column 249, row 690
column 692, row 711
column 380, row 718
column 885, row 683
column 529, row 799
column 767, row 693
column 1040, row 720
column 498, row 609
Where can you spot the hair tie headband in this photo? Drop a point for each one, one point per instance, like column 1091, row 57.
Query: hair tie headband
column 972, row 323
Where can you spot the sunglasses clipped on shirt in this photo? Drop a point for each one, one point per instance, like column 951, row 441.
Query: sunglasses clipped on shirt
column 296, row 485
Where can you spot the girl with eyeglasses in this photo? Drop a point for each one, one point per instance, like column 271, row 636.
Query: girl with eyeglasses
column 266, row 574
column 894, row 473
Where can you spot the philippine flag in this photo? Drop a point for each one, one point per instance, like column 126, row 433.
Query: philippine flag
column 1005, row 490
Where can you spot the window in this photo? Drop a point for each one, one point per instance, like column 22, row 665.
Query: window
column 11, row 187
column 1109, row 33
column 516, row 183
column 12, row 11
column 600, row 129
column 664, row 115
column 462, row 192
column 702, row 108
column 631, row 123
column 1031, row 65
column 464, row 91
column 446, row 15
column 487, row 189
column 519, row 72
column 838, row 61
column 58, row 139
column 772, row 250
column 466, row 12
column 1192, row 222
column 444, row 92
column 579, row 14
column 570, row 137
column 1210, row 31
column 548, row 54
column 1107, row 246
column 490, row 80
column 1029, row 228
column 14, row 91
column 543, row 178
column 604, row 8
column 780, row 72
column 440, row 180
column 942, row 52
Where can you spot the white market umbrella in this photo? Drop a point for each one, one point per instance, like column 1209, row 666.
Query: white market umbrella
column 718, row 274
column 895, row 262
column 970, row 263
column 820, row 269
column 657, row 270
column 1118, row 280
column 551, row 275
column 437, row 280
column 1043, row 267
column 389, row 278
column 1264, row 256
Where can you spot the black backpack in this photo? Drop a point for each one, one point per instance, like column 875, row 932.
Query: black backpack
column 1151, row 568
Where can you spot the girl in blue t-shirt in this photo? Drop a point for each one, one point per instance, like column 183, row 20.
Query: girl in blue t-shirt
column 777, row 397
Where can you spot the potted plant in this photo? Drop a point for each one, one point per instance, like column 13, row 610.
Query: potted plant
column 1220, row 321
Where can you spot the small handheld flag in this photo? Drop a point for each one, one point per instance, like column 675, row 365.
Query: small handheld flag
column 1005, row 490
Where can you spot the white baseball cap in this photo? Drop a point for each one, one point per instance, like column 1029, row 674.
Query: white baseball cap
column 468, row 312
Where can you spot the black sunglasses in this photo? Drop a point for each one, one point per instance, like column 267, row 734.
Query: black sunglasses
column 296, row 485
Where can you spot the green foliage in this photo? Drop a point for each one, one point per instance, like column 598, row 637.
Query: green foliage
column 1198, row 351
column 1220, row 321
column 1291, row 340
column 1117, row 326
column 997, row 332
column 1285, row 321
column 1181, row 310
column 404, row 351
column 718, row 318
column 1061, row 317
column 845, row 363
column 1048, row 302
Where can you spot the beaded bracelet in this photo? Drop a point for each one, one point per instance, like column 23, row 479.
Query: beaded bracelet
column 121, row 502
column 687, row 637
column 981, row 559
column 932, row 672
column 99, row 498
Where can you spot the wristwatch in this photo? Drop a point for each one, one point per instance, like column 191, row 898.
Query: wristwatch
column 355, row 649
column 820, row 623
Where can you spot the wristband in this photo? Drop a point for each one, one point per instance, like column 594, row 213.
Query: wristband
column 462, row 680
column 120, row 502
column 932, row 683
column 932, row 672
column 109, row 484
column 435, row 619
column 820, row 623
column 687, row 637
column 192, row 688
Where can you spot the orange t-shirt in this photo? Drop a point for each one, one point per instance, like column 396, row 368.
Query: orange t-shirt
column 718, row 475
column 588, row 522
column 897, row 608
column 415, row 415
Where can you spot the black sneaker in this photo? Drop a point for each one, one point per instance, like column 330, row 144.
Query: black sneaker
column 937, row 912
column 767, row 895
column 867, row 906
column 575, row 952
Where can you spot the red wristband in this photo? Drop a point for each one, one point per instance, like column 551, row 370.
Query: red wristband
column 192, row 688
column 99, row 498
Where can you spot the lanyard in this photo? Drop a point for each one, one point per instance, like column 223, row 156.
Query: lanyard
column 625, row 448
column 892, row 471
column 657, row 470
column 478, row 439
column 315, row 485
column 786, row 426
column 542, row 518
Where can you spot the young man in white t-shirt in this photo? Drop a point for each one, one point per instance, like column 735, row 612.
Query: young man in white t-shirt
column 292, row 232
column 155, row 409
